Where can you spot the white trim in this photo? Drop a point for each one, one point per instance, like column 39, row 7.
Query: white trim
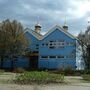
column 59, row 28
column 41, row 37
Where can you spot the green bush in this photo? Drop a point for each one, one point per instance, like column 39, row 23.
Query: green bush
column 65, row 71
column 18, row 70
column 39, row 77
column 69, row 71
column 78, row 72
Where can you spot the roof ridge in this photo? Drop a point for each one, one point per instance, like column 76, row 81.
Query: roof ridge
column 60, row 28
column 41, row 37
column 33, row 33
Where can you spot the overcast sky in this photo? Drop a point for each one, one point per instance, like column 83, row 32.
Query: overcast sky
column 48, row 13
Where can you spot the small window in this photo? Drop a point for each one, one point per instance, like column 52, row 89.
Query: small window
column 52, row 56
column 51, row 44
column 60, row 56
column 43, row 44
column 44, row 57
column 63, row 43
column 37, row 46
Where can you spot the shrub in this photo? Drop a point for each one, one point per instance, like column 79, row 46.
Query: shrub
column 69, row 71
column 60, row 70
column 39, row 78
column 65, row 71
column 78, row 72
column 19, row 70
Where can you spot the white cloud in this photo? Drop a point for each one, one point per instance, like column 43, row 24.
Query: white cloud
column 88, row 19
column 79, row 8
column 50, row 12
column 26, row 6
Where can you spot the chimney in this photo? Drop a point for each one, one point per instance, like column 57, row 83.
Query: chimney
column 65, row 26
column 37, row 28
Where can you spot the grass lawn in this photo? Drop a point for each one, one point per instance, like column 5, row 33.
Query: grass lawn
column 39, row 77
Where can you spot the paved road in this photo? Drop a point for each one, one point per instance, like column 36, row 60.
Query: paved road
column 44, row 87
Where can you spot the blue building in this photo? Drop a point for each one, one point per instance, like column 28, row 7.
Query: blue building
column 54, row 50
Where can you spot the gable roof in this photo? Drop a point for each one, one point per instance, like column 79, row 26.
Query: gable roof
column 59, row 28
column 35, row 34
column 41, row 37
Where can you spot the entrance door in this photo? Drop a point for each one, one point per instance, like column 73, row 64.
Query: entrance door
column 34, row 62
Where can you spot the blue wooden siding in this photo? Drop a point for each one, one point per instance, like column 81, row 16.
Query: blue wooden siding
column 7, row 63
column 67, row 50
column 57, row 63
column 32, row 41
column 21, row 62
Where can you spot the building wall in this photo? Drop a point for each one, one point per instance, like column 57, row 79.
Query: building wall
column 64, row 54
column 66, row 51
column 33, row 42
column 21, row 62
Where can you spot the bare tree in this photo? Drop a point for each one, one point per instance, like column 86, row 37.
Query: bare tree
column 84, row 41
column 12, row 40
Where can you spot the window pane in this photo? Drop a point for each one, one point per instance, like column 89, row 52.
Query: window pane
column 60, row 56
column 52, row 56
column 44, row 56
